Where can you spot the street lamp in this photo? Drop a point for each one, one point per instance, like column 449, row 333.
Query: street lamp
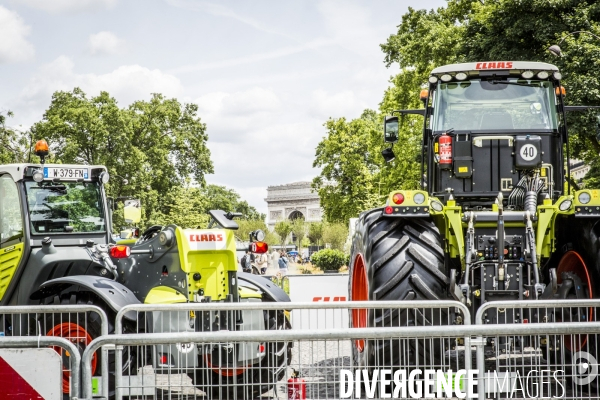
column 555, row 48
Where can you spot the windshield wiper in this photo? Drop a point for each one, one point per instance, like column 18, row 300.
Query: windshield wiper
column 496, row 82
column 59, row 188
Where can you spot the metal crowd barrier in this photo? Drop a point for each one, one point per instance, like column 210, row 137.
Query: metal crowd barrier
column 33, row 326
column 328, row 386
column 174, row 368
column 519, row 353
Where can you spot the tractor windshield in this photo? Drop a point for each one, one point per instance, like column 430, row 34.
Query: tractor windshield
column 65, row 207
column 495, row 104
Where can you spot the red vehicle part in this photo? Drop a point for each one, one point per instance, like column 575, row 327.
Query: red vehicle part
column 445, row 150
column 296, row 388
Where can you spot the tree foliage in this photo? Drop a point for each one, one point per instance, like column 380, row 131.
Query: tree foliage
column 354, row 176
column 299, row 230
column 222, row 198
column 156, row 145
column 14, row 146
column 154, row 150
column 335, row 234
column 249, row 225
column 315, row 232
column 283, row 229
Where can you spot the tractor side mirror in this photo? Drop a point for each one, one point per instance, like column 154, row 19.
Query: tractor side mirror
column 391, row 129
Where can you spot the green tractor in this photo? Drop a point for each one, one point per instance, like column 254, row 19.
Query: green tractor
column 495, row 219
column 56, row 247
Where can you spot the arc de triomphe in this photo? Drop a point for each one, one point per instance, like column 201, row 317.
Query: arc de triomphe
column 291, row 201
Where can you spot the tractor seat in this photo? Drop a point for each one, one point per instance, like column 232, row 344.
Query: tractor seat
column 496, row 120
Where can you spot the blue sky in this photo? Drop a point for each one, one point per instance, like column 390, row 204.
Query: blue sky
column 265, row 74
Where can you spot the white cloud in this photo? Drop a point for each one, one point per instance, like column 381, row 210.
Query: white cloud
column 105, row 43
column 68, row 6
column 231, row 116
column 343, row 104
column 227, row 12
column 254, row 100
column 257, row 57
column 127, row 83
column 351, row 25
column 13, row 43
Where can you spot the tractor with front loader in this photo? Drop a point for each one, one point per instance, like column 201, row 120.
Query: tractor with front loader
column 496, row 217
column 57, row 247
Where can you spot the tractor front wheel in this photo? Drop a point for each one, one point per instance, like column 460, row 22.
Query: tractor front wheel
column 397, row 259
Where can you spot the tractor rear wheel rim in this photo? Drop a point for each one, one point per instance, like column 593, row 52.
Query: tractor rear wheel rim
column 76, row 334
column 572, row 261
column 360, row 292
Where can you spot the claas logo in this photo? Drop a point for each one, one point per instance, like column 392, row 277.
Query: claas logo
column 494, row 65
column 207, row 237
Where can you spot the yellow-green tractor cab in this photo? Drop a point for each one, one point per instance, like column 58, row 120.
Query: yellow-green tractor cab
column 168, row 265
column 494, row 218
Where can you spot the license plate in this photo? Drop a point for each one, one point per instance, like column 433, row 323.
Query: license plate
column 65, row 173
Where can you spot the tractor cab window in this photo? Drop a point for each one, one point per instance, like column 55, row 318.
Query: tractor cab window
column 11, row 220
column 65, row 207
column 495, row 104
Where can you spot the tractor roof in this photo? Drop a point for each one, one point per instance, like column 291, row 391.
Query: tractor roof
column 17, row 171
column 494, row 65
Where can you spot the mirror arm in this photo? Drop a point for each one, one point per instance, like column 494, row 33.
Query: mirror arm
column 420, row 111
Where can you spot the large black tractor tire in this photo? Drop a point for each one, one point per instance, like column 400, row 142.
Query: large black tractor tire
column 397, row 259
column 253, row 381
column 82, row 328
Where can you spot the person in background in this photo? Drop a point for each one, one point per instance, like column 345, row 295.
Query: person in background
column 283, row 264
column 275, row 260
column 247, row 262
column 261, row 263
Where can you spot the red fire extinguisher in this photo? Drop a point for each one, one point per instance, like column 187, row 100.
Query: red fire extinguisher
column 445, row 151
column 296, row 387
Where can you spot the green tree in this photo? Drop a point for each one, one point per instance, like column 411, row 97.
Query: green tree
column 222, row 198
column 346, row 184
column 315, row 232
column 182, row 206
column 283, row 229
column 354, row 176
column 335, row 234
column 14, row 144
column 155, row 145
column 272, row 238
column 249, row 225
column 299, row 230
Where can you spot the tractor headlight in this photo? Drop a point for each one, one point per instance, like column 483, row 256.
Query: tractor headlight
column 543, row 75
column 565, row 205
column 258, row 235
column 527, row 74
column 433, row 79
column 38, row 175
column 584, row 197
column 437, row 206
column 104, row 177
column 557, row 75
column 446, row 78
column 419, row 198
